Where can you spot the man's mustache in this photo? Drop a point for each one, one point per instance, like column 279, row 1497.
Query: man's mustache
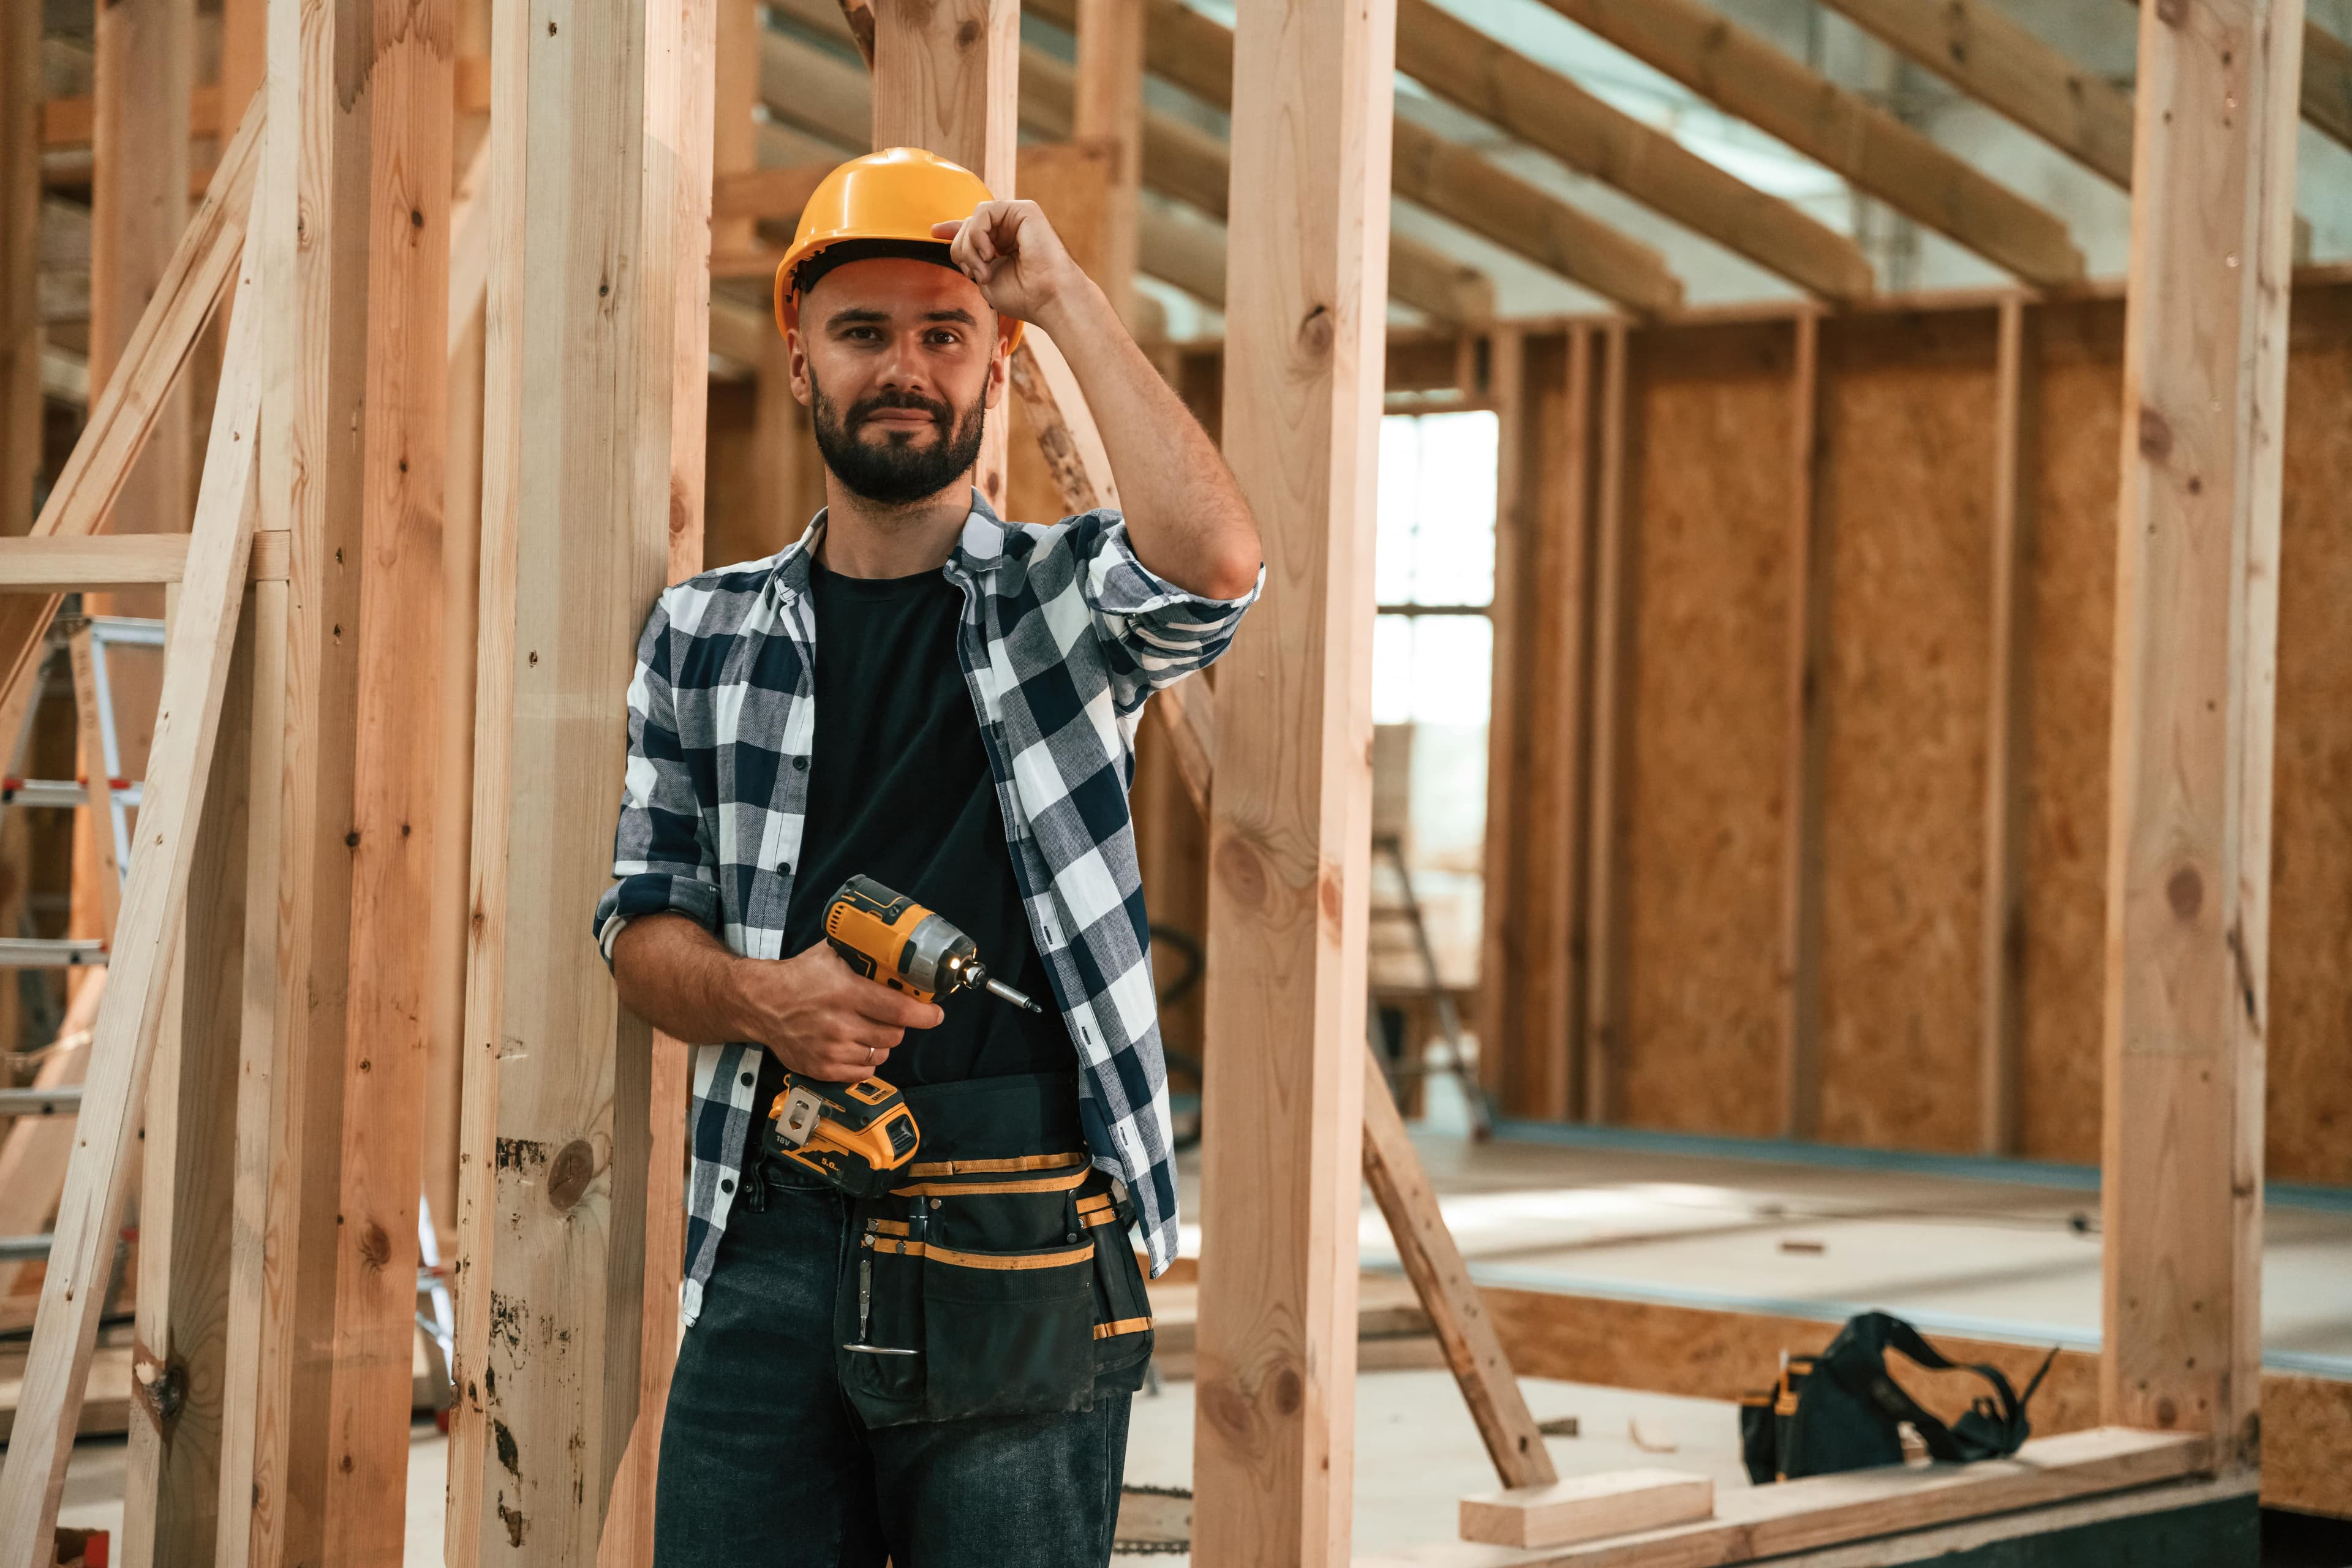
column 864, row 408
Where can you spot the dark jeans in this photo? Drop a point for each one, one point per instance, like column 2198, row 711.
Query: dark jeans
column 763, row 1461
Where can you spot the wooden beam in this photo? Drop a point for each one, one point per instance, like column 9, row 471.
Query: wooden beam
column 393, row 829
column 123, row 417
column 1752, row 1522
column 1291, row 819
column 1615, row 1502
column 2004, row 65
column 593, row 407
column 1456, row 1313
column 1548, row 110
column 949, row 75
column 734, row 139
column 98, row 812
column 2008, row 728
column 20, row 225
column 1615, row 557
column 68, row 124
column 1876, row 152
column 1109, row 111
column 118, row 561
column 2188, row 848
column 1449, row 292
column 1800, row 866
column 196, row 669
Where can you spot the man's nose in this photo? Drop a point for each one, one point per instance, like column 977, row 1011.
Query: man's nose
column 903, row 369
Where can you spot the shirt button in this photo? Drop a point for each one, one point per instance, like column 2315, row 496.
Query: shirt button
column 783, row 867
column 800, row 764
column 725, row 1186
column 747, row 1080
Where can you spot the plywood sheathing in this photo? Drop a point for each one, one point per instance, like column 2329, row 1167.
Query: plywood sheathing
column 1702, row 839
column 1907, row 412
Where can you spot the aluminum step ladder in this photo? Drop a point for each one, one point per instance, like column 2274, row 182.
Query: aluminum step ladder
column 1456, row 1061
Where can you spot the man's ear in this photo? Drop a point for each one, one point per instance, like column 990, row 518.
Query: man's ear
column 797, row 352
column 999, row 360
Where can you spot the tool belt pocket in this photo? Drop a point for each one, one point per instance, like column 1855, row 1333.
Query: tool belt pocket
column 1019, row 1296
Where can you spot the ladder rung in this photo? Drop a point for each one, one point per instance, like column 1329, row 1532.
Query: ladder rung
column 24, row 1249
column 63, row 1101
column 61, row 794
column 41, row 952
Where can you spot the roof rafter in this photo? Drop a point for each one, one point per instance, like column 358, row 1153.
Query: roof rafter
column 1875, row 152
column 1550, row 112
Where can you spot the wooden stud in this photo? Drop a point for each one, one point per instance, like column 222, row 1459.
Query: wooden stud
column 1879, row 154
column 393, row 828
column 99, row 813
column 1801, row 910
column 1615, row 557
column 1548, row 110
column 1290, row 818
column 1511, row 623
column 734, row 141
column 949, row 81
column 593, row 409
column 1615, row 1502
column 1393, row 1171
column 20, row 223
column 2004, row 65
column 2188, row 848
column 179, row 1391
column 2008, row 728
column 122, row 1045
column 1109, row 111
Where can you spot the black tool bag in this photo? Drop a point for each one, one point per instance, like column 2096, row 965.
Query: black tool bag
column 997, row 1278
column 1841, row 1410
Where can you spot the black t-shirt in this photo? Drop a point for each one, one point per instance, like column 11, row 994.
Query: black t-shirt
column 899, row 790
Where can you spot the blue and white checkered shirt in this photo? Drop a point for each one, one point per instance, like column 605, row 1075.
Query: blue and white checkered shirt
column 1064, row 635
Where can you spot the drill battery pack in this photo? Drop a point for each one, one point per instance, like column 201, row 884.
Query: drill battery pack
column 854, row 1135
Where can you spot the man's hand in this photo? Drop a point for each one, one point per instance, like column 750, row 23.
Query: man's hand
column 1009, row 249
column 822, row 1018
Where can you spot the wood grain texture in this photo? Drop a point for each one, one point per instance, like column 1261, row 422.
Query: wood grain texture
column 179, row 1393
column 1290, row 823
column 1612, row 612
column 2308, row 1107
column 1615, row 1502
column 1108, row 113
column 1457, row 1313
column 20, row 223
column 96, row 816
column 2189, row 849
column 2003, row 64
column 1878, row 153
column 1909, row 426
column 1546, row 109
column 1706, row 792
column 1805, row 753
column 123, row 1039
column 735, row 97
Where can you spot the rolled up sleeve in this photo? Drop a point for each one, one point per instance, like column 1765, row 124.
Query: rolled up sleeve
column 662, row 853
column 1156, row 632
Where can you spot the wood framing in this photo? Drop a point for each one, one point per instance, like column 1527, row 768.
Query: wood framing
column 1878, row 153
column 1109, row 111
column 20, row 220
column 2008, row 731
column 734, row 141
column 1615, row 554
column 1546, row 109
column 1801, row 916
column 2189, row 849
column 123, row 1040
column 2004, row 65
column 600, row 166
column 1290, row 816
column 2326, row 83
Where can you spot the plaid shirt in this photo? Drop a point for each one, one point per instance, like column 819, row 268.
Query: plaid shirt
column 1064, row 635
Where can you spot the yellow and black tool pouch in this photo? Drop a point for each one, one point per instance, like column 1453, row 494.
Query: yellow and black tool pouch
column 997, row 1278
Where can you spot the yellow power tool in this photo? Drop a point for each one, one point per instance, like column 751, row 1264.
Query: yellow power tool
column 857, row 1134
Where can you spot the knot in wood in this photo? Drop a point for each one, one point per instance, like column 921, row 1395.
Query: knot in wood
column 1241, row 873
column 2185, row 891
column 1315, row 334
column 1288, row 1391
column 375, row 1247
column 2155, row 434
column 568, row 1175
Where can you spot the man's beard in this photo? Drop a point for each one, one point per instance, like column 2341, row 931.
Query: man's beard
column 895, row 471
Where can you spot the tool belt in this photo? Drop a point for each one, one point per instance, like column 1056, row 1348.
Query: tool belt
column 1000, row 1257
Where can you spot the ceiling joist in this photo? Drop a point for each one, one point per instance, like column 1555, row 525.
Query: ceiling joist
column 1875, row 152
column 1547, row 111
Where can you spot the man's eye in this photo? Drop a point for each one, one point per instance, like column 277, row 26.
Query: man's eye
column 943, row 338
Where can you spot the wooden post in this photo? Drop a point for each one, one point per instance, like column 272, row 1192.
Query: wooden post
column 601, row 148
column 1801, row 910
column 2008, row 728
column 1615, row 574
column 946, row 78
column 734, row 133
column 1109, row 112
column 2188, row 848
column 20, row 219
column 1290, row 825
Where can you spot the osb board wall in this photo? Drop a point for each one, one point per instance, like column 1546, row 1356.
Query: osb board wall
column 1906, row 495
column 1708, row 505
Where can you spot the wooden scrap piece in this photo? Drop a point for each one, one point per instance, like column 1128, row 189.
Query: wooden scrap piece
column 1586, row 1508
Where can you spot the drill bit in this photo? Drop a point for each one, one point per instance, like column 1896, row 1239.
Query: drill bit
column 1010, row 994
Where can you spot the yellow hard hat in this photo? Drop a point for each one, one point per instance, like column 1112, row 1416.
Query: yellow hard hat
column 896, row 195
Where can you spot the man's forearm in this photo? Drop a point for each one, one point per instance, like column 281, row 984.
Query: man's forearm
column 676, row 976
column 1185, row 516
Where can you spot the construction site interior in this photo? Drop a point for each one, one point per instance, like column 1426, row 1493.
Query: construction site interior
column 1794, row 758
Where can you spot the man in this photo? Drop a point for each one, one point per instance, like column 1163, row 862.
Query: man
column 917, row 692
